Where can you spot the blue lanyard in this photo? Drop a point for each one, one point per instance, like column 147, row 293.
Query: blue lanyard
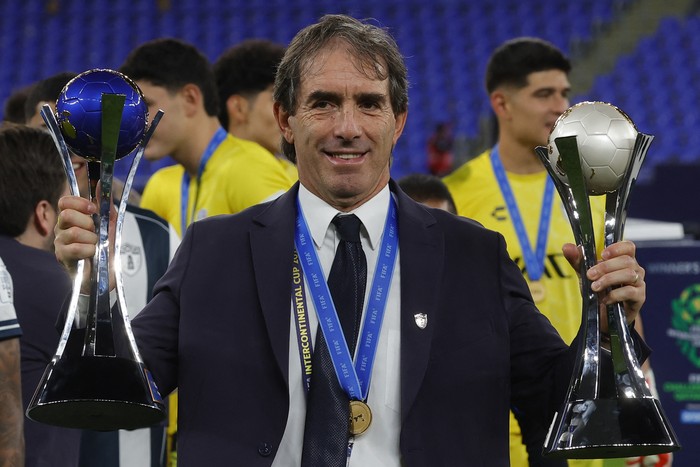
column 534, row 261
column 216, row 140
column 354, row 378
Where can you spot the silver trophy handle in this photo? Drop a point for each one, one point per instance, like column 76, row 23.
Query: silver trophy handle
column 629, row 379
column 121, row 213
column 55, row 132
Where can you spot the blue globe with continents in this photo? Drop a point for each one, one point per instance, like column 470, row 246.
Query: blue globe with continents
column 79, row 112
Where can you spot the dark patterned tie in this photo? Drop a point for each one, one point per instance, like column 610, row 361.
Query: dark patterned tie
column 327, row 432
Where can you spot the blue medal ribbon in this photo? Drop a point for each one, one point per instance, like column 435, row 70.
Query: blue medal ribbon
column 534, row 261
column 216, row 140
column 354, row 378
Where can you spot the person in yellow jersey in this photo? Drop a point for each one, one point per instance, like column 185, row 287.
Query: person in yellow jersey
column 507, row 189
column 177, row 78
column 245, row 75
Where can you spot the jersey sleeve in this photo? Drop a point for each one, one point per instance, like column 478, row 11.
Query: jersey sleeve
column 9, row 326
column 255, row 180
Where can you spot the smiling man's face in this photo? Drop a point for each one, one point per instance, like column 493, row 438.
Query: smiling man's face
column 343, row 130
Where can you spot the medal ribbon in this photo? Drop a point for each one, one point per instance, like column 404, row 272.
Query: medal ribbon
column 354, row 378
column 216, row 140
column 304, row 341
column 534, row 261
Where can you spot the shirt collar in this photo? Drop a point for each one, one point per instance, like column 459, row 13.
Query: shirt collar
column 319, row 215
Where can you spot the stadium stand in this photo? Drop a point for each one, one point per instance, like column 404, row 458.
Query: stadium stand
column 446, row 43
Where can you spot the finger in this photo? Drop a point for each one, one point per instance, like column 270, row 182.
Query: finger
column 572, row 254
column 75, row 244
column 71, row 218
column 614, row 264
column 627, row 295
column 76, row 203
column 75, row 237
column 625, row 276
column 622, row 248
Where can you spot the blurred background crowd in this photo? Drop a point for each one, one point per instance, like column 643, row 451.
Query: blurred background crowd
column 641, row 55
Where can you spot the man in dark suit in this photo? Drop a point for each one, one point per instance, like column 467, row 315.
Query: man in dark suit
column 459, row 338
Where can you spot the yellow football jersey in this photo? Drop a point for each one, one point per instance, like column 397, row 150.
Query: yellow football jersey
column 238, row 175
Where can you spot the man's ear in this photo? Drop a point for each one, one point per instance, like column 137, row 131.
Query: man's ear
column 499, row 103
column 193, row 99
column 238, row 108
column 44, row 218
column 282, row 117
column 400, row 124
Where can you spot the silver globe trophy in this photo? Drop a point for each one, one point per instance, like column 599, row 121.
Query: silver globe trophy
column 609, row 411
column 97, row 379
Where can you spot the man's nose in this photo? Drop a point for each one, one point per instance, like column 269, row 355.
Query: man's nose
column 347, row 125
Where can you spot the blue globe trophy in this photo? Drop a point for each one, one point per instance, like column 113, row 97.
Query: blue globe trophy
column 609, row 411
column 97, row 379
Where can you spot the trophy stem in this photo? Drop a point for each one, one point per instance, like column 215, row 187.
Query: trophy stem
column 98, row 337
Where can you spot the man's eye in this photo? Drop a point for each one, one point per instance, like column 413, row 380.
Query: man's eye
column 370, row 105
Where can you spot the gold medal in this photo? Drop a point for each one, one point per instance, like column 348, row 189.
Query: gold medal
column 360, row 417
column 538, row 291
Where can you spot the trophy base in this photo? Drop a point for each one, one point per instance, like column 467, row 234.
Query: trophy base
column 610, row 428
column 97, row 393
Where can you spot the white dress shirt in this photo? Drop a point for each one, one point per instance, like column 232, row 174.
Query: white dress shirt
column 379, row 445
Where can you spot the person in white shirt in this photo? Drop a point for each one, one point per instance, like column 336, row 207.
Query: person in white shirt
column 12, row 444
column 449, row 332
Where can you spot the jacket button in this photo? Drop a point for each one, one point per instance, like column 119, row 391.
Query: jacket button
column 264, row 449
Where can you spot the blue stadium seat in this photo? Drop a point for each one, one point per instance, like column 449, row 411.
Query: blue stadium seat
column 446, row 44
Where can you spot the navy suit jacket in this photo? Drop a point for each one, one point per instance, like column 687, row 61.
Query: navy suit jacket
column 218, row 326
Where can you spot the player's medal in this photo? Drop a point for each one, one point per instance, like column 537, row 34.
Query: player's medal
column 538, row 291
column 360, row 417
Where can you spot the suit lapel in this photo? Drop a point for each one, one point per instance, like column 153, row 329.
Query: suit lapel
column 422, row 248
column 271, row 240
column 421, row 245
